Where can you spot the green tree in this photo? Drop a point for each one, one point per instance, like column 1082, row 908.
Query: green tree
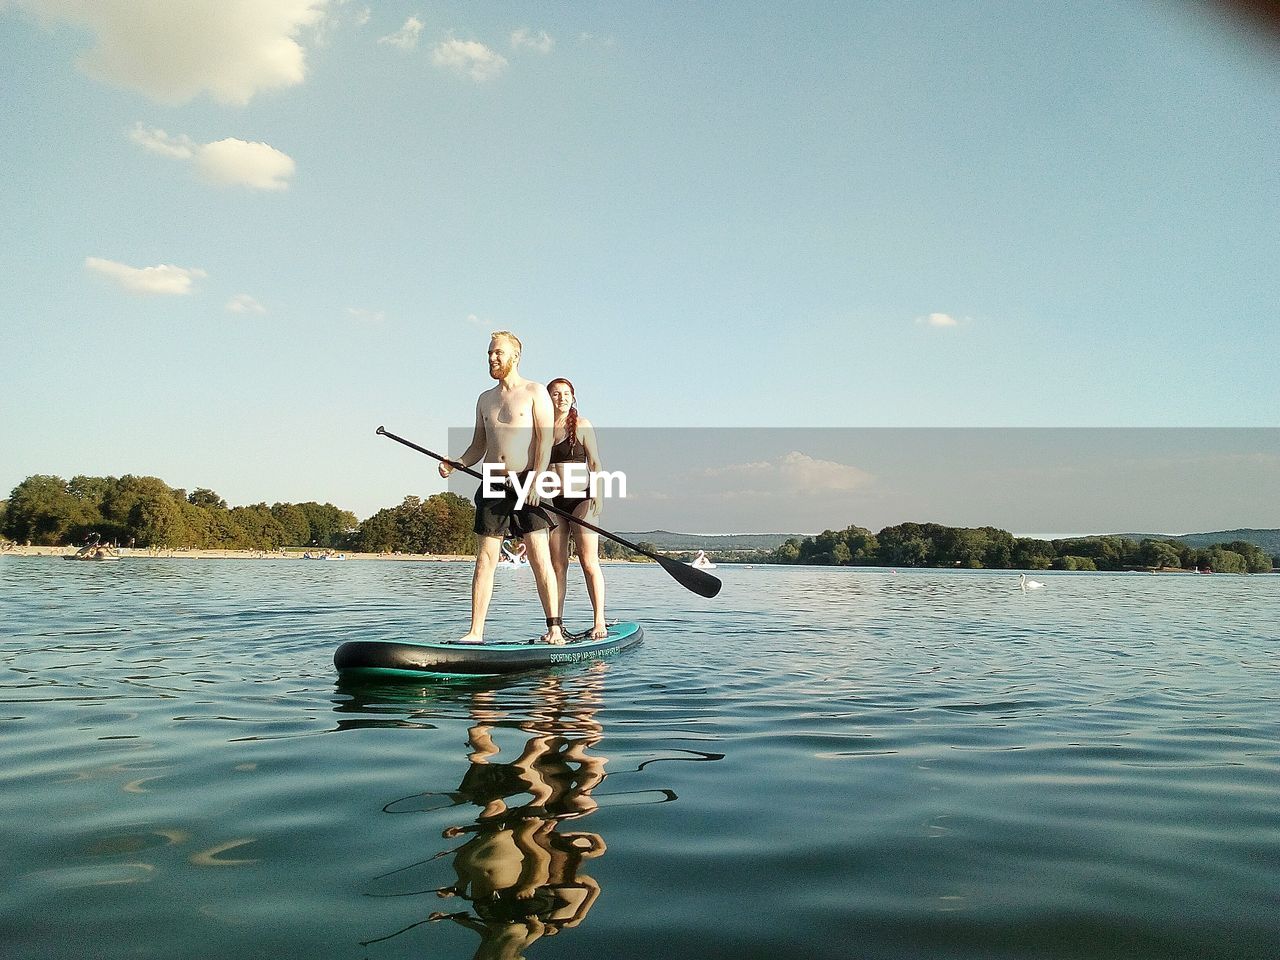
column 206, row 498
column 1031, row 554
column 155, row 519
column 1158, row 554
column 379, row 533
column 1256, row 559
column 1221, row 560
column 260, row 530
column 907, row 544
column 41, row 511
column 788, row 552
column 294, row 522
column 1070, row 562
column 862, row 543
column 330, row 527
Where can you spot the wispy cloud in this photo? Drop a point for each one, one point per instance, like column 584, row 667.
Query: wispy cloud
column 228, row 162
column 526, row 39
column 365, row 315
column 157, row 141
column 468, row 58
column 938, row 320
column 174, row 52
column 406, row 38
column 163, row 280
column 243, row 303
column 794, row 471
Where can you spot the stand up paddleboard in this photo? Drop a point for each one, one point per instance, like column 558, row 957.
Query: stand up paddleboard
column 412, row 659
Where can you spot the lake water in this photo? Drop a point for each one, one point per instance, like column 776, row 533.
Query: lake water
column 819, row 763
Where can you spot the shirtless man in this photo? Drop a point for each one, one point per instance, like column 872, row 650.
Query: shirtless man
column 513, row 431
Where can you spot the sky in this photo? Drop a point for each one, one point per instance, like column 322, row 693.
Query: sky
column 239, row 235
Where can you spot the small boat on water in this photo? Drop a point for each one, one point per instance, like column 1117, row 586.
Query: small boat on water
column 513, row 558
column 702, row 561
column 94, row 556
column 95, row 551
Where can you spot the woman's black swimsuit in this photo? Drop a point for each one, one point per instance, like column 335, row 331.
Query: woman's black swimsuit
column 564, row 452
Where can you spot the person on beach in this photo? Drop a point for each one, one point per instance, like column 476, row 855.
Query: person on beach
column 575, row 442
column 513, row 431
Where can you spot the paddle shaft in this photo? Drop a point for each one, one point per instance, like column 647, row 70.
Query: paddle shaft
column 696, row 580
column 546, row 506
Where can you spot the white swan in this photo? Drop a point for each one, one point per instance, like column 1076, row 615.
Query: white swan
column 1026, row 584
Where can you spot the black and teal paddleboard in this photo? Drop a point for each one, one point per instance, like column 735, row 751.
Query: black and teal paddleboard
column 417, row 659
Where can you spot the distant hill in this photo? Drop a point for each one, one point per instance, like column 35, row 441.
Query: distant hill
column 666, row 540
column 1268, row 540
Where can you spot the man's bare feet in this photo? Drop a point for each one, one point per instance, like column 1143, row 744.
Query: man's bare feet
column 470, row 638
column 554, row 634
column 599, row 632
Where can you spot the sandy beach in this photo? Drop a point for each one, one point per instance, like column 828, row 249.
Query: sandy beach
column 192, row 554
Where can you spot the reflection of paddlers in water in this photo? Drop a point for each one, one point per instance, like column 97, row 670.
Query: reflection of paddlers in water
column 523, row 877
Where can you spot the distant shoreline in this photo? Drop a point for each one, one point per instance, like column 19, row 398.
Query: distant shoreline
column 193, row 554
column 179, row 554
column 219, row 554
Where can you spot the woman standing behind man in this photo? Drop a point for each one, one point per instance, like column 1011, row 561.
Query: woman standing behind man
column 575, row 442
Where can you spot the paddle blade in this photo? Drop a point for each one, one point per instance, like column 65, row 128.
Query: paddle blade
column 691, row 578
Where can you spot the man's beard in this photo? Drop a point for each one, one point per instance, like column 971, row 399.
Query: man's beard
column 501, row 371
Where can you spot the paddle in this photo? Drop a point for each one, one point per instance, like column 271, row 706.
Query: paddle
column 691, row 578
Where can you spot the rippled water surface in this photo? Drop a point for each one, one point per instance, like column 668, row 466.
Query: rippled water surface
column 818, row 763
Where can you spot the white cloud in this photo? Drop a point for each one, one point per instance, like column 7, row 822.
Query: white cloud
column 243, row 163
column 406, row 38
column 527, row 40
column 230, row 161
column 796, row 472
column 243, row 303
column 366, row 316
column 173, row 52
column 157, row 141
column 162, row 279
column 938, row 320
column 469, row 58
column 363, row 16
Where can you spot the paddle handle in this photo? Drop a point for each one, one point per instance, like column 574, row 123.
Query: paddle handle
column 384, row 432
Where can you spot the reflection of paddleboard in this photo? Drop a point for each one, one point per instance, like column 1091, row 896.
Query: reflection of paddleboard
column 412, row 659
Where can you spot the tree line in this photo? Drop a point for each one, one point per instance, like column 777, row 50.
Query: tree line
column 935, row 545
column 146, row 512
